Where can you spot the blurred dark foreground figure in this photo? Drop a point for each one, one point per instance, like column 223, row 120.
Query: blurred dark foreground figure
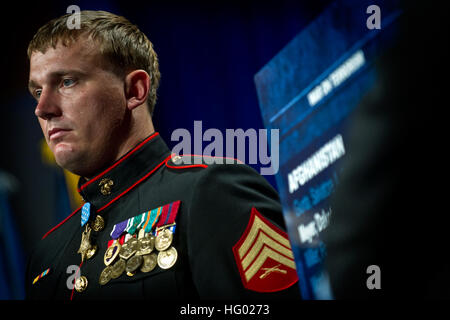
column 390, row 209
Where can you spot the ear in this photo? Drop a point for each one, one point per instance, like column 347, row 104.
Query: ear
column 137, row 86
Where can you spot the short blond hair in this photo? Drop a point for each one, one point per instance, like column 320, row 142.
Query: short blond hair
column 122, row 44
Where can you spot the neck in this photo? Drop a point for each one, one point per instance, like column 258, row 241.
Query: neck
column 140, row 128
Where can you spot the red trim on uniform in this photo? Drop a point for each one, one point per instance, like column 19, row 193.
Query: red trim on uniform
column 61, row 223
column 188, row 166
column 195, row 165
column 118, row 162
column 265, row 281
column 112, row 201
column 133, row 185
column 73, row 289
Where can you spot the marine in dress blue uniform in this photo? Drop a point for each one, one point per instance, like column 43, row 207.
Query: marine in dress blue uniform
column 229, row 241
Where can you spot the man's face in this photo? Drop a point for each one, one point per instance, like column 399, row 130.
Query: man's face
column 81, row 106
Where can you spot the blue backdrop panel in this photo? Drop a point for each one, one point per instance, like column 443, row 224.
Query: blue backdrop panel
column 308, row 91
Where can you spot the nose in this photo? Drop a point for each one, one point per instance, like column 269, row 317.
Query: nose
column 47, row 106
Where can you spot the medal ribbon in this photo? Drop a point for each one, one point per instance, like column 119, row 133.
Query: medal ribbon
column 118, row 229
column 169, row 214
column 43, row 274
column 144, row 220
column 160, row 216
column 85, row 213
column 154, row 215
column 133, row 224
column 121, row 241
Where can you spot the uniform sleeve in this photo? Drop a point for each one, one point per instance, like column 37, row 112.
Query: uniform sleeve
column 236, row 243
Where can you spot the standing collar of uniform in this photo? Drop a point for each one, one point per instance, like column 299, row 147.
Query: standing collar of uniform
column 136, row 165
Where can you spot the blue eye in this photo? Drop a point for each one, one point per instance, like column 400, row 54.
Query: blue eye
column 68, row 82
column 37, row 93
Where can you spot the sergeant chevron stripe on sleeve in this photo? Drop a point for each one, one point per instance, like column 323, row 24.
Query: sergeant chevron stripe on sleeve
column 264, row 257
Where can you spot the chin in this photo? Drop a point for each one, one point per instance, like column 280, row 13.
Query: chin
column 78, row 163
column 67, row 158
column 76, row 169
column 68, row 165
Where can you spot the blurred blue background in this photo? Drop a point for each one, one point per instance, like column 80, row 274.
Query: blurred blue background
column 209, row 53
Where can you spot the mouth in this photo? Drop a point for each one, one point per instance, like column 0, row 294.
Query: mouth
column 57, row 133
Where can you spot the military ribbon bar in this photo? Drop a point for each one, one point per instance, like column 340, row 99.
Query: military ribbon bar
column 161, row 216
column 144, row 218
column 169, row 214
column 153, row 218
column 85, row 213
column 121, row 241
column 118, row 229
column 43, row 274
column 133, row 224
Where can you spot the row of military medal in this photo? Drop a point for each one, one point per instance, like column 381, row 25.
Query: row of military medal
column 139, row 253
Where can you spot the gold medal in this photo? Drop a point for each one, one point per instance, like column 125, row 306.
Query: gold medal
column 134, row 244
column 166, row 259
column 105, row 276
column 81, row 284
column 163, row 239
column 85, row 245
column 146, row 245
column 111, row 253
column 91, row 252
column 99, row 223
column 149, row 263
column 129, row 248
column 133, row 264
column 118, row 268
